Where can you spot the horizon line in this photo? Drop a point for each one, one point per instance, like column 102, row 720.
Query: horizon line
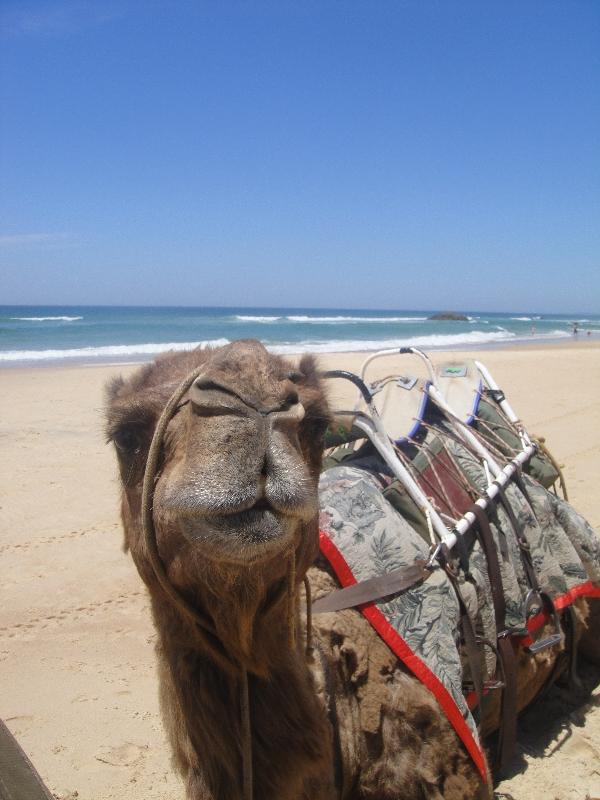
column 436, row 309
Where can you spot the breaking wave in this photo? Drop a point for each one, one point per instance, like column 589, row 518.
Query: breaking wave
column 142, row 352
column 244, row 318
column 472, row 338
column 337, row 320
column 46, row 319
column 106, row 351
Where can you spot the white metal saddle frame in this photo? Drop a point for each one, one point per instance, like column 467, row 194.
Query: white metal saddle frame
column 498, row 476
column 372, row 426
column 486, row 376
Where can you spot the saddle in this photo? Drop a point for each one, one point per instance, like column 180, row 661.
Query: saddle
column 457, row 618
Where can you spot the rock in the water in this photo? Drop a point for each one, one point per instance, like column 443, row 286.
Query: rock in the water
column 450, row 315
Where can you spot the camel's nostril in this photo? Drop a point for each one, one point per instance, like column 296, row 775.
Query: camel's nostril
column 291, row 399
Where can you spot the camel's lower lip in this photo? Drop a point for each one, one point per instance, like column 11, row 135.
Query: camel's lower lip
column 243, row 531
column 261, row 520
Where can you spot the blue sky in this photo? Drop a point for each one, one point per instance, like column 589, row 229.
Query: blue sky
column 354, row 154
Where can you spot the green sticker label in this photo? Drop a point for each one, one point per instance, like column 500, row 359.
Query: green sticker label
column 454, row 371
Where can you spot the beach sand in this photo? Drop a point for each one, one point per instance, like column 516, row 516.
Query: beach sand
column 78, row 686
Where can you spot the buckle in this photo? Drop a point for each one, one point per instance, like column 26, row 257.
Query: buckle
column 437, row 556
column 488, row 686
column 544, row 601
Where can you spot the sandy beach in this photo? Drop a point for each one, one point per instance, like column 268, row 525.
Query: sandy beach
column 78, row 687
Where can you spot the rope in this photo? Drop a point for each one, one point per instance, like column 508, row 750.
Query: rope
column 247, row 777
column 541, row 442
column 501, row 446
column 291, row 597
column 149, row 531
column 456, row 476
column 309, row 633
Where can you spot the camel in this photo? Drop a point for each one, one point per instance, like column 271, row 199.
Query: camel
column 249, row 709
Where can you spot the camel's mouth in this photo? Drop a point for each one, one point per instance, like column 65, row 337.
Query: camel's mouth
column 246, row 535
column 262, row 505
column 258, row 523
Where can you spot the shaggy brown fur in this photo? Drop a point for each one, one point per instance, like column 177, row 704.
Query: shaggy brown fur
column 236, row 494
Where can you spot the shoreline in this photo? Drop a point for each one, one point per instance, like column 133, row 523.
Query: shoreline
column 536, row 343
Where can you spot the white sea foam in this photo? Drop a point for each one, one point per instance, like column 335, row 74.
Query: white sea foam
column 46, row 319
column 527, row 319
column 138, row 352
column 472, row 338
column 243, row 318
column 106, row 351
column 343, row 320
column 337, row 320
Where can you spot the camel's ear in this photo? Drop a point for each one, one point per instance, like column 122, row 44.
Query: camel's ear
column 309, row 370
column 113, row 387
column 317, row 416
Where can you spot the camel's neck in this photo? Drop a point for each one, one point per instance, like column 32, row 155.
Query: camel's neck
column 290, row 734
column 250, row 610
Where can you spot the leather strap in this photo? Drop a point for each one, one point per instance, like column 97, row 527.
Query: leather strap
column 507, row 736
column 524, row 550
column 473, row 652
column 488, row 545
column 399, row 580
column 570, row 627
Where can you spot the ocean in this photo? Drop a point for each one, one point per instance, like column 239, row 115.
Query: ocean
column 51, row 335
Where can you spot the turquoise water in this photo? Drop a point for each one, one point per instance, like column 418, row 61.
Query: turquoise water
column 95, row 334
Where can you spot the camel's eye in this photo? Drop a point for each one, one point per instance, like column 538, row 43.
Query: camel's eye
column 128, row 439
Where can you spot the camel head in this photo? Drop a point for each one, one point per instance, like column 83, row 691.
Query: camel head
column 235, row 497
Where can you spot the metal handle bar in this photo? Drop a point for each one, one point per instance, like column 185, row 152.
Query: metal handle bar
column 350, row 376
column 400, row 351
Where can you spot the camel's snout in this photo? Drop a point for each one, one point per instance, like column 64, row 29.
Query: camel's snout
column 210, row 396
column 239, row 482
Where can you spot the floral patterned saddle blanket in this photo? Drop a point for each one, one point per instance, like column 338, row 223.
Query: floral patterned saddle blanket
column 363, row 536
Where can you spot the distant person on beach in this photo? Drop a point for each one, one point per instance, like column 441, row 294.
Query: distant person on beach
column 533, row 330
column 575, row 329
